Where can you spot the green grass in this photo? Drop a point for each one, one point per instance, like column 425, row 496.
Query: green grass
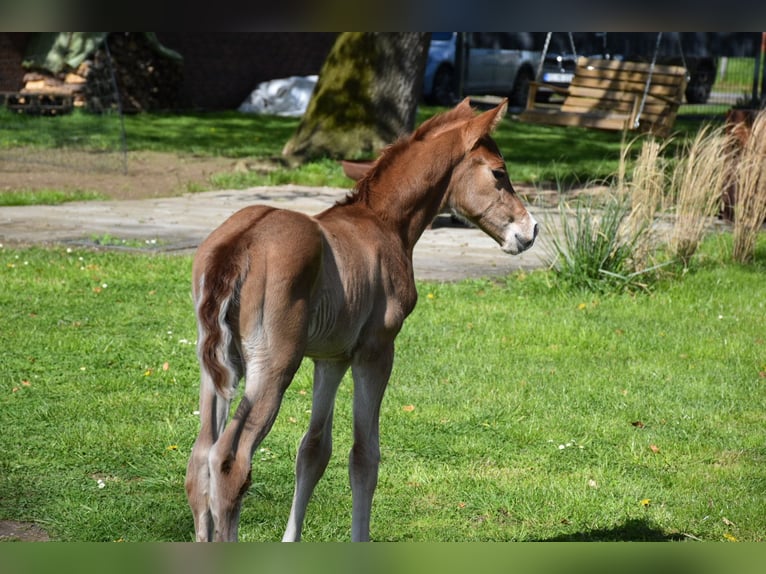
column 516, row 411
column 227, row 134
column 46, row 197
column 325, row 172
column 736, row 76
column 536, row 154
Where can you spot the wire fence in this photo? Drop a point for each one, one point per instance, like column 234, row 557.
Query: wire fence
column 31, row 142
column 35, row 137
column 737, row 83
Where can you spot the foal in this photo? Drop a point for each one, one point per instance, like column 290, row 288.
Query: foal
column 271, row 286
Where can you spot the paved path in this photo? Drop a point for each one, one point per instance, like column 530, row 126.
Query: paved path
column 445, row 252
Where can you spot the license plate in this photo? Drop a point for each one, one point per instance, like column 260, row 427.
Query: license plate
column 557, row 78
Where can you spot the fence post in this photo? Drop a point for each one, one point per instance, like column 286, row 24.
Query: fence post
column 763, row 67
column 123, row 135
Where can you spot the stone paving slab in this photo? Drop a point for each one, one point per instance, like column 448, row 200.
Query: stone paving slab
column 448, row 251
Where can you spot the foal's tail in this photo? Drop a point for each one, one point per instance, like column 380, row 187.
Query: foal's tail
column 216, row 297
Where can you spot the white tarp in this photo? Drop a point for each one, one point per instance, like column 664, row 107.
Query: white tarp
column 281, row 97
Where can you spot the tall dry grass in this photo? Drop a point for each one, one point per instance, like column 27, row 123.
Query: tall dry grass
column 646, row 190
column 660, row 207
column 697, row 181
column 750, row 208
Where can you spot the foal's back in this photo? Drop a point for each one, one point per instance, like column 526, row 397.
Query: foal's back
column 341, row 272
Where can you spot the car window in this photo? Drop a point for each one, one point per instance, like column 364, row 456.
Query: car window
column 485, row 41
column 507, row 41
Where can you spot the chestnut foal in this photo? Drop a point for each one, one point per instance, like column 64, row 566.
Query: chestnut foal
column 271, row 286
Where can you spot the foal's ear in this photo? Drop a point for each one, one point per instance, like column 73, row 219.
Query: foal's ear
column 483, row 124
column 465, row 104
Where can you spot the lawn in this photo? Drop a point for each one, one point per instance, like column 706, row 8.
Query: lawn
column 517, row 411
column 536, row 154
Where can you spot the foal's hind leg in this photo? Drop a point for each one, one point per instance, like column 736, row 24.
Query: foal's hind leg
column 316, row 446
column 214, row 411
column 270, row 367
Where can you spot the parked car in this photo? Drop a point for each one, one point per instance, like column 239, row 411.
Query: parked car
column 493, row 66
column 558, row 70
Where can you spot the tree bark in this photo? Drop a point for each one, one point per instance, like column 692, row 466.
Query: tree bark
column 366, row 96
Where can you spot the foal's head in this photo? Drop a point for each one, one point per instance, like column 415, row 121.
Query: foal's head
column 480, row 189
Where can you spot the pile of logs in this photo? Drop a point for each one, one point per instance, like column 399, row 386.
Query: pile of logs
column 145, row 78
column 44, row 93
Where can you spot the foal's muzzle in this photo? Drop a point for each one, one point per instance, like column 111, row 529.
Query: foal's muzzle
column 521, row 235
column 525, row 242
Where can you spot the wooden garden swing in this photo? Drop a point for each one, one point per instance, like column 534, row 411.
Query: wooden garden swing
column 613, row 95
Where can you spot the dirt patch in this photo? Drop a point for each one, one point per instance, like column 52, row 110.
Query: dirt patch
column 149, row 174
column 11, row 530
column 162, row 215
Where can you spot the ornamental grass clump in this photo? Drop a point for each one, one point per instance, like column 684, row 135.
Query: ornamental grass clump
column 750, row 177
column 609, row 245
column 698, row 179
column 647, row 193
column 593, row 252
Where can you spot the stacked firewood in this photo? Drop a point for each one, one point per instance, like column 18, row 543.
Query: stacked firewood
column 145, row 78
column 65, row 84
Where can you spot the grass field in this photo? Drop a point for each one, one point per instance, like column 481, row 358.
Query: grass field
column 516, row 411
column 536, row 154
column 45, row 197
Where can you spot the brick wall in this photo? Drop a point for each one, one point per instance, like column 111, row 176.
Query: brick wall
column 11, row 54
column 222, row 68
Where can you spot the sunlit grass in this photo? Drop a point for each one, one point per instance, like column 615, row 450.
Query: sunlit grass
column 46, row 197
column 536, row 154
column 325, row 172
column 516, row 410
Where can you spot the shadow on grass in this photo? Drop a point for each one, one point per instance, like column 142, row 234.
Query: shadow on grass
column 633, row 530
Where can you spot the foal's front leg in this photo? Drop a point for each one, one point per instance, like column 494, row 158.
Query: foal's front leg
column 371, row 373
column 316, row 446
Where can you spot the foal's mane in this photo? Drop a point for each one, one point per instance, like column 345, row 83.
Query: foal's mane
column 391, row 154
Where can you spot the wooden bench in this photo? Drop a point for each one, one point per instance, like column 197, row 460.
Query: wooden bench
column 607, row 94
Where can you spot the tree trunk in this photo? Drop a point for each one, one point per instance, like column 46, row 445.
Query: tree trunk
column 366, row 96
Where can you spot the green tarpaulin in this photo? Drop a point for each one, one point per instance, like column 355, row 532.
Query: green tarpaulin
column 64, row 51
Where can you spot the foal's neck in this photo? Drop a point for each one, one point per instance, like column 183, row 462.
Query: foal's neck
column 409, row 210
column 408, row 194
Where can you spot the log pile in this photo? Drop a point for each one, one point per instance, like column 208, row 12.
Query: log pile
column 146, row 80
column 45, row 93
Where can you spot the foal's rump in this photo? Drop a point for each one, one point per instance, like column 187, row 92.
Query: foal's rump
column 260, row 258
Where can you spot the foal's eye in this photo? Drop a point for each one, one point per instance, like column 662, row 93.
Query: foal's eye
column 498, row 173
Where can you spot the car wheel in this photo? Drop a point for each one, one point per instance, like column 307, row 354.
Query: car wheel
column 518, row 97
column 697, row 93
column 443, row 93
column 700, row 85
